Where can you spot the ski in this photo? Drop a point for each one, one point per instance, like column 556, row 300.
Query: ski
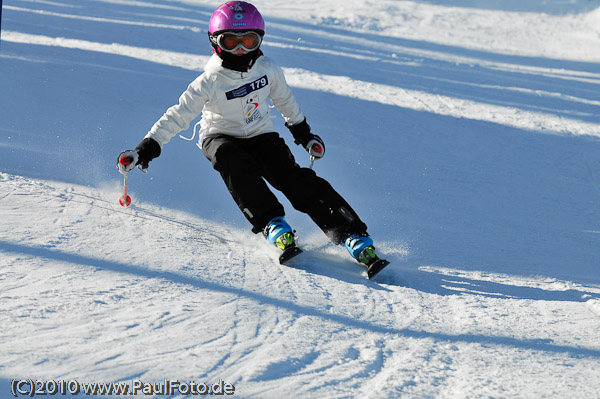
column 288, row 254
column 376, row 267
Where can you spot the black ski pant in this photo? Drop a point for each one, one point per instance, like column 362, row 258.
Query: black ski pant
column 245, row 164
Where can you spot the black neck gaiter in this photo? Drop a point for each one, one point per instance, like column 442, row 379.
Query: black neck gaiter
column 240, row 63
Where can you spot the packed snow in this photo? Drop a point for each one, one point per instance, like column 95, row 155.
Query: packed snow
column 465, row 133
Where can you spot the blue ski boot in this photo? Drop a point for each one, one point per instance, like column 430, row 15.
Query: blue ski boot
column 280, row 234
column 361, row 248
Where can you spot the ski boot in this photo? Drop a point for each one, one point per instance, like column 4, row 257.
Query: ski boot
column 280, row 234
column 361, row 248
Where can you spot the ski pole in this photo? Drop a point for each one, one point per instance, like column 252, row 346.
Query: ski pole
column 125, row 200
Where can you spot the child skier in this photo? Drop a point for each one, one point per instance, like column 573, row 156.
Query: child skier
column 237, row 137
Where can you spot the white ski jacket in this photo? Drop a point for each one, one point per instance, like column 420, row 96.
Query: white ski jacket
column 231, row 102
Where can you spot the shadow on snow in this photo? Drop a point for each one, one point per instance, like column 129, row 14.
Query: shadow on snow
column 535, row 345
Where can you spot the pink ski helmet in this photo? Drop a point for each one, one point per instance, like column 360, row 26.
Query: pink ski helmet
column 236, row 16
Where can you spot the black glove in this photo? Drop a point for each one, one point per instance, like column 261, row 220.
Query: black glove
column 147, row 150
column 311, row 142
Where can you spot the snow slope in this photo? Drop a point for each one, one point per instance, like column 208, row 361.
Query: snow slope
column 465, row 134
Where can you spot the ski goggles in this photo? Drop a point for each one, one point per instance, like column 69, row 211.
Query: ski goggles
column 231, row 41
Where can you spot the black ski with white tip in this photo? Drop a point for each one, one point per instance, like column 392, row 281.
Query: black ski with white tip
column 288, row 254
column 376, row 267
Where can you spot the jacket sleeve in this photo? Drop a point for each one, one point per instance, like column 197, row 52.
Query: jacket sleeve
column 179, row 116
column 284, row 99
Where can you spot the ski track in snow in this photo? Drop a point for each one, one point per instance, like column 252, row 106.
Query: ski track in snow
column 95, row 292
column 186, row 300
